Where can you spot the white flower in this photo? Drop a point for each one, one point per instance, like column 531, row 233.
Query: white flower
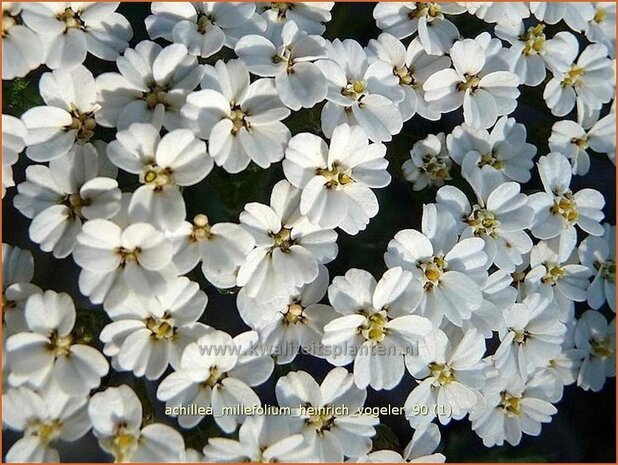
column 420, row 449
column 599, row 254
column 261, row 439
column 69, row 30
column 336, row 180
column 61, row 197
column 412, row 66
column 17, row 272
column 240, row 120
column 360, row 93
column 451, row 273
column 575, row 14
column 588, row 81
column 572, row 140
column 17, row 265
column 217, row 371
column 290, row 323
column 435, row 33
column 222, row 248
column 289, row 58
column 498, row 12
column 601, row 28
column 22, row 50
column 116, row 260
column 429, row 163
column 531, row 50
column 485, row 87
column 309, row 16
column 288, row 247
column 148, row 334
column 329, row 435
column 531, row 337
column 44, row 417
column 13, row 143
column 69, row 116
column 203, row 27
column 51, row 351
column 558, row 277
column 507, row 408
column 504, row 148
column 597, row 338
column 151, row 87
column 163, row 164
column 558, row 209
column 448, row 375
column 376, row 328
column 116, row 416
column 498, row 296
column 560, row 371
column 499, row 216
column 193, row 456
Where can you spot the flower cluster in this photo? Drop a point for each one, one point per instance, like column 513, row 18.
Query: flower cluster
column 502, row 296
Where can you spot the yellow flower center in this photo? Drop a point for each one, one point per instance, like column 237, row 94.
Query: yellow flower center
column 511, row 405
column 534, row 39
column 518, row 276
column 281, row 8
column 354, row 89
column 128, row 256
column 405, row 76
column 8, row 22
column 160, row 329
column 607, row 270
column 581, row 142
column 155, row 96
column 565, row 206
column 284, row 55
column 203, row 22
column 433, row 270
column 491, row 159
column 123, row 445
column 336, row 176
column 443, row 373
column 553, row 274
column 201, row 229
column 283, row 239
column 238, row 117
column 84, row 123
column 483, row 222
column 157, row 177
column 214, row 378
column 374, row 327
column 294, row 314
column 520, row 336
column 573, row 77
column 47, row 431
column 60, row 346
column 429, row 10
column 321, row 421
column 75, row 204
column 471, row 83
column 599, row 15
column 602, row 348
column 435, row 168
column 71, row 19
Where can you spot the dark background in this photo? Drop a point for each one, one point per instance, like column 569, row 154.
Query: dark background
column 584, row 428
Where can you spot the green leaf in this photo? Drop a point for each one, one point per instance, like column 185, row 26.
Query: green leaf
column 20, row 95
column 385, row 439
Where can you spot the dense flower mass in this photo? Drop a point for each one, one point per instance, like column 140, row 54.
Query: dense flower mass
column 257, row 225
